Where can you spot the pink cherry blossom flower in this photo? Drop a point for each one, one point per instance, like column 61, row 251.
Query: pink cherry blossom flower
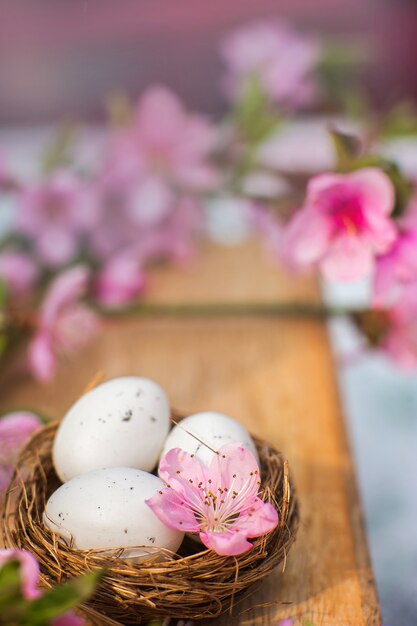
column 282, row 59
column 397, row 267
column 120, row 281
column 19, row 272
column 15, row 430
column 400, row 341
column 166, row 141
column 63, row 325
column 221, row 503
column 53, row 215
column 30, row 579
column 343, row 224
column 147, row 216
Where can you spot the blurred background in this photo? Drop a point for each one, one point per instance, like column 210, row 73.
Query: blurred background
column 61, row 59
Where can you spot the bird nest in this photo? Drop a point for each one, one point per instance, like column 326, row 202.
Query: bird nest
column 195, row 584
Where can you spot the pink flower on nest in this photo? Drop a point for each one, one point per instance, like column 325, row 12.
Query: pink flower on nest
column 53, row 215
column 64, row 324
column 343, row 224
column 400, row 341
column 166, row 141
column 220, row 503
column 282, row 59
column 15, row 430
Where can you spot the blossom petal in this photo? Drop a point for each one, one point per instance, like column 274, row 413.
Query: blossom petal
column 159, row 116
column 56, row 245
column 178, row 466
column 16, row 428
column 384, row 279
column 41, row 358
column 376, row 189
column 382, row 231
column 306, row 238
column 226, row 544
column 19, row 271
column 261, row 519
column 187, row 475
column 236, row 469
column 68, row 287
column 322, row 183
column 120, row 281
column 173, row 510
column 349, row 258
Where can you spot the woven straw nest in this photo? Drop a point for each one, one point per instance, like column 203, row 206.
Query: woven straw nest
column 196, row 584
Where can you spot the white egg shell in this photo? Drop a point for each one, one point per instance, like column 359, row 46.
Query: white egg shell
column 106, row 509
column 212, row 428
column 121, row 423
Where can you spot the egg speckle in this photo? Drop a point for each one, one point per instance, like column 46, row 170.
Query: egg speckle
column 211, row 431
column 121, row 423
column 82, row 513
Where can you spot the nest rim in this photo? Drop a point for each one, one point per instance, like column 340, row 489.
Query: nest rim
column 198, row 585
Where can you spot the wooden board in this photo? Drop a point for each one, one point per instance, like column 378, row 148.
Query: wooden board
column 278, row 378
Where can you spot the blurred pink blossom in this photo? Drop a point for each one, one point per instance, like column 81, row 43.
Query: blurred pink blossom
column 166, row 141
column 148, row 221
column 343, row 224
column 29, row 569
column 19, row 271
column 281, row 58
column 400, row 342
column 63, row 325
column 15, row 430
column 30, row 579
column 120, row 281
column 397, row 267
column 220, row 503
column 53, row 215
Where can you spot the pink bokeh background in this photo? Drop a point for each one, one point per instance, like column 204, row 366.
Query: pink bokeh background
column 63, row 58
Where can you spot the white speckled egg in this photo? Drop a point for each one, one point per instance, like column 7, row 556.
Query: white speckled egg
column 106, row 509
column 214, row 429
column 121, row 423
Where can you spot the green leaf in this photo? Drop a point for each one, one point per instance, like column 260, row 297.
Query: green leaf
column 58, row 152
column 61, row 599
column 4, row 292
column 10, row 580
column 253, row 115
column 347, row 148
column 400, row 121
column 12, row 602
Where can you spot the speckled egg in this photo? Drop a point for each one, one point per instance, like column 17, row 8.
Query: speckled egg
column 211, row 428
column 106, row 509
column 121, row 423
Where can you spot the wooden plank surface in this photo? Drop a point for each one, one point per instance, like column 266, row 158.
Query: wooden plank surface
column 278, row 378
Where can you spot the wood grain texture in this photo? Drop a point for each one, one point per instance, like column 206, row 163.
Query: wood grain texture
column 278, row 378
